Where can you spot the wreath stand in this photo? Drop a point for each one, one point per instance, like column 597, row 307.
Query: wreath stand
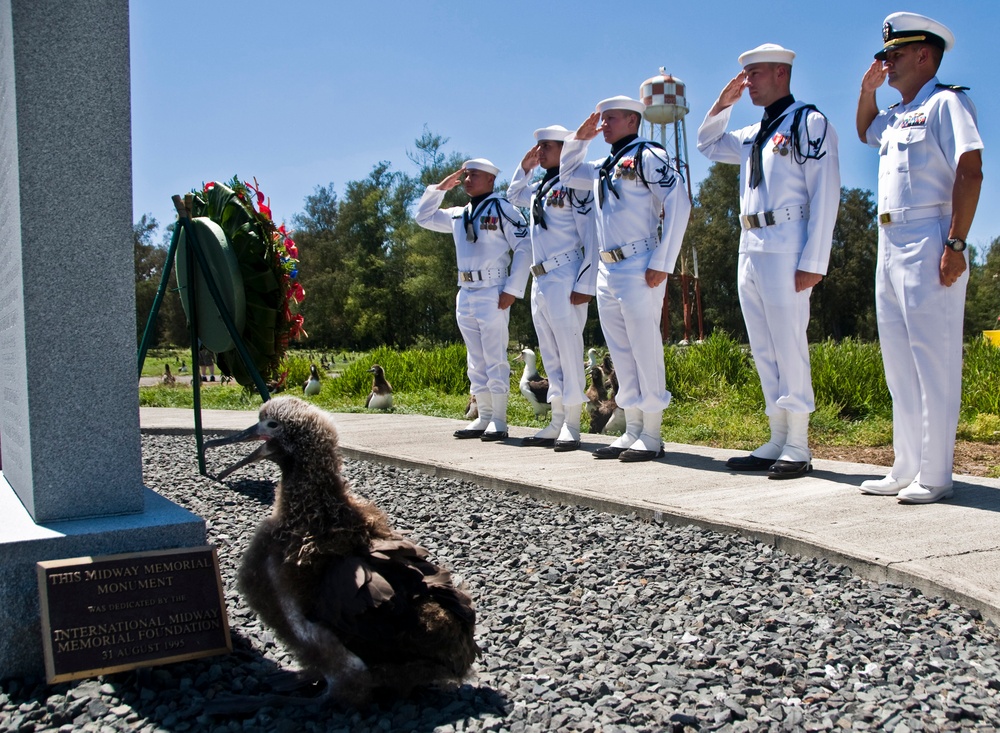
column 195, row 257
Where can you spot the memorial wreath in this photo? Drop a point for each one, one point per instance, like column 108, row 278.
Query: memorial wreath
column 268, row 263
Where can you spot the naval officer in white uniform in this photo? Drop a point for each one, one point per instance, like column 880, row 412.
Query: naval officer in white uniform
column 494, row 254
column 930, row 174
column 564, row 253
column 789, row 195
column 633, row 186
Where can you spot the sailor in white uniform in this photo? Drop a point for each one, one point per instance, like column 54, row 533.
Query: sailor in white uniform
column 789, row 195
column 632, row 187
column 494, row 254
column 930, row 174
column 564, row 253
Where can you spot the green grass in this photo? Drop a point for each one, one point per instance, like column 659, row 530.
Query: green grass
column 717, row 397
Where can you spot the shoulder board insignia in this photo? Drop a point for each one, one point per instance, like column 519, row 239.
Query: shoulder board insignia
column 952, row 87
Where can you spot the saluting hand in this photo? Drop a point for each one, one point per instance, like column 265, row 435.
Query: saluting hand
column 451, row 181
column 530, row 160
column 730, row 94
column 590, row 127
column 873, row 78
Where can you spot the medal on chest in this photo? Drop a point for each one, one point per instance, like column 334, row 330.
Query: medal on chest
column 916, row 118
column 626, row 169
column 781, row 144
column 489, row 223
column 556, row 197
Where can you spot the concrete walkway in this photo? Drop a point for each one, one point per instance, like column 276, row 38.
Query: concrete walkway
column 951, row 549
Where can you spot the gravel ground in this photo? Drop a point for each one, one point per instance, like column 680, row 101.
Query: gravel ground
column 587, row 621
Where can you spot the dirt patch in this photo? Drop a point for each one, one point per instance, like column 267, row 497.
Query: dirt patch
column 971, row 459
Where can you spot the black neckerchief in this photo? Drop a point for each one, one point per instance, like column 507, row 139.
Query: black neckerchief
column 538, row 205
column 774, row 113
column 617, row 148
column 470, row 230
column 617, row 145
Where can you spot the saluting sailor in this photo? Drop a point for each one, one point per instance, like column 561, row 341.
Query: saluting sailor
column 564, row 253
column 494, row 254
column 632, row 186
column 930, row 174
column 789, row 195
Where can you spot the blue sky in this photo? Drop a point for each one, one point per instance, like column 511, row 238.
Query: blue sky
column 307, row 92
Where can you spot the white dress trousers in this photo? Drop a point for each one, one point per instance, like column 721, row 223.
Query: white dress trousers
column 568, row 238
column 627, row 218
column 804, row 196
column 920, row 320
column 497, row 261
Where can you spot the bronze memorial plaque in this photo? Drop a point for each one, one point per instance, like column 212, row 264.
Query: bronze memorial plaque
column 117, row 612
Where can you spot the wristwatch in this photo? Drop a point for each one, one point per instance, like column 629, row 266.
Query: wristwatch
column 956, row 244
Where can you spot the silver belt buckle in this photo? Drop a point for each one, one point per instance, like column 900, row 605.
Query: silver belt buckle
column 885, row 217
column 612, row 255
column 751, row 221
column 537, row 270
column 467, row 277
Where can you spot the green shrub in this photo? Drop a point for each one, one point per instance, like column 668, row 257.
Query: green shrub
column 849, row 374
column 407, row 371
column 709, row 368
column 981, row 377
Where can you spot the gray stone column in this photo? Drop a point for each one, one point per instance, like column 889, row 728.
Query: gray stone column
column 69, row 409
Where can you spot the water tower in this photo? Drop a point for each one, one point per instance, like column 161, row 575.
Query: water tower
column 666, row 106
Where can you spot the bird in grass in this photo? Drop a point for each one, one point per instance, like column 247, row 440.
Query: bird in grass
column 607, row 368
column 380, row 398
column 168, row 379
column 605, row 414
column 471, row 408
column 311, row 386
column 610, row 378
column 278, row 385
column 534, row 387
column 359, row 606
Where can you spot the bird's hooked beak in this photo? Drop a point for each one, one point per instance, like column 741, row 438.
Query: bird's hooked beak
column 254, row 432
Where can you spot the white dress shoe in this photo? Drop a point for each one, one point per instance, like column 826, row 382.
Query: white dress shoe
column 888, row 486
column 919, row 494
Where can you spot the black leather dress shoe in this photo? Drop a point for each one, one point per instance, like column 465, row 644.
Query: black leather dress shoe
column 492, row 437
column 608, row 452
column 749, row 463
column 563, row 446
column 635, row 456
column 534, row 442
column 789, row 469
column 465, row 434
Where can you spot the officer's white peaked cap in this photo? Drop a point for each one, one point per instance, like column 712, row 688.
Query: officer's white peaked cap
column 901, row 29
column 481, row 164
column 552, row 132
column 767, row 53
column 621, row 102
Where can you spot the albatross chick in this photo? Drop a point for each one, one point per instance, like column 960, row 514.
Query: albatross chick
column 356, row 603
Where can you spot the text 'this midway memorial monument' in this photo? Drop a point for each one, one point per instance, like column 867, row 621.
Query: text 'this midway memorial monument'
column 69, row 415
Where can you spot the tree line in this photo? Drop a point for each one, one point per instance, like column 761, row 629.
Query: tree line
column 373, row 277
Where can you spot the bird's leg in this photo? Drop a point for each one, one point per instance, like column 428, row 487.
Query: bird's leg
column 318, row 648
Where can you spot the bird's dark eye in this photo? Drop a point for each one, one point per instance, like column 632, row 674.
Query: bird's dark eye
column 272, row 424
